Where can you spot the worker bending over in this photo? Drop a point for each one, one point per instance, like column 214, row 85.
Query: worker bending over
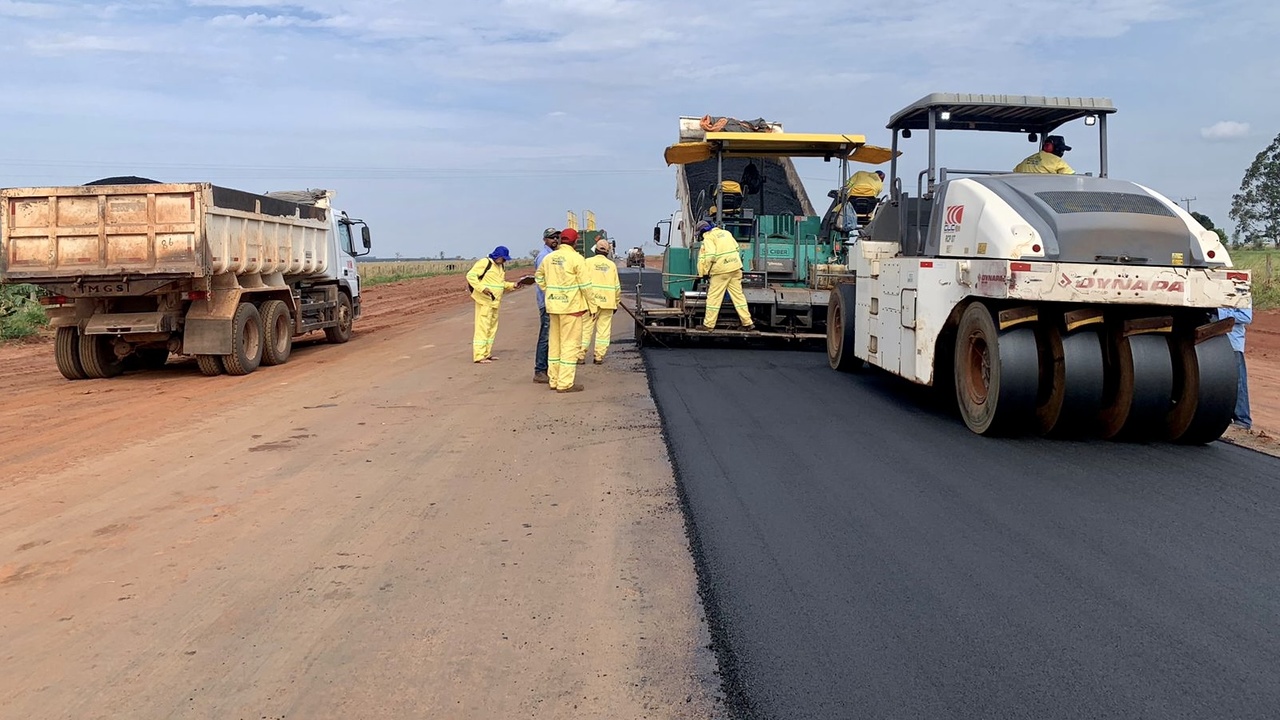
column 488, row 281
column 563, row 278
column 1049, row 159
column 721, row 261
column 865, row 184
column 606, row 290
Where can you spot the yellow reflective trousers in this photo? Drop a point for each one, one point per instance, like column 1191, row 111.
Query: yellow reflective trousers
column 486, row 331
column 563, row 341
column 721, row 283
column 601, row 327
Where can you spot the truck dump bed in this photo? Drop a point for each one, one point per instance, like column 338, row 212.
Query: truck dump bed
column 172, row 230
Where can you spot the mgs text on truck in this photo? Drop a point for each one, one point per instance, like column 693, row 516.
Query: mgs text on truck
column 135, row 272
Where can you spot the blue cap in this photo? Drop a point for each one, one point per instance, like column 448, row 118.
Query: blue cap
column 705, row 225
column 500, row 252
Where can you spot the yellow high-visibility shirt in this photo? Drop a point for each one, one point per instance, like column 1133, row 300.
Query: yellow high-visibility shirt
column 563, row 278
column 606, row 289
column 865, row 184
column 1043, row 162
column 719, row 254
column 494, row 280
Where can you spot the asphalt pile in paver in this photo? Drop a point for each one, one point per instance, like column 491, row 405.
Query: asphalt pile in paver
column 778, row 197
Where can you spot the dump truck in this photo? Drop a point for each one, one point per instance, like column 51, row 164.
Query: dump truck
column 635, row 257
column 138, row 271
column 746, row 183
column 1057, row 304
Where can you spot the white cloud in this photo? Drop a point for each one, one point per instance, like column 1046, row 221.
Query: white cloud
column 1225, row 130
column 15, row 9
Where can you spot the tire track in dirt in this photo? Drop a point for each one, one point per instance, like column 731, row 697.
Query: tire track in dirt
column 43, row 414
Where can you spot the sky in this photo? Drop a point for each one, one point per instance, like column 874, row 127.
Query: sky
column 457, row 126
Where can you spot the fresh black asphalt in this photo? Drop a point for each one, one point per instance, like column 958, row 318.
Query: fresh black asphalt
column 863, row 555
column 649, row 280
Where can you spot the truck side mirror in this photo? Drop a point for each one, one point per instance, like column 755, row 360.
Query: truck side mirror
column 365, row 237
column 831, row 194
column 657, row 235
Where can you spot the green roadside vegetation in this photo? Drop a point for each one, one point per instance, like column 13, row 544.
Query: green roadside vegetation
column 1264, row 266
column 21, row 315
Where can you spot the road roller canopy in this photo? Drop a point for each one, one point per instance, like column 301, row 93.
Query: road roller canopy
column 997, row 113
column 734, row 144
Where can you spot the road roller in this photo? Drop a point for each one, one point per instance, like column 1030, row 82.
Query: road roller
column 1067, row 303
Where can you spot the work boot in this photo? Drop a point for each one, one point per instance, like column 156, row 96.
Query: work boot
column 582, row 361
column 541, row 377
column 599, row 361
column 576, row 388
column 749, row 328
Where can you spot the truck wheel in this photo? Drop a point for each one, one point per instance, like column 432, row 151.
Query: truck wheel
column 341, row 332
column 997, row 374
column 98, row 357
column 277, row 332
column 246, row 341
column 840, row 329
column 66, row 352
column 210, row 365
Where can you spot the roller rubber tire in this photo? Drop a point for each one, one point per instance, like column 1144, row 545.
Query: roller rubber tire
column 1072, row 383
column 246, row 341
column 341, row 332
column 1142, row 388
column 841, row 314
column 66, row 353
column 277, row 332
column 98, row 357
column 997, row 374
column 1207, row 393
column 210, row 365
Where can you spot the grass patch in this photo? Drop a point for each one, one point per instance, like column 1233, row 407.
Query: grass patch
column 1266, row 285
column 384, row 273
column 20, row 314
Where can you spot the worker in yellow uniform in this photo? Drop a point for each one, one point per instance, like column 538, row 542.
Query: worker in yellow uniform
column 721, row 260
column 563, row 279
column 488, row 281
column 606, row 290
column 865, row 184
column 1049, row 159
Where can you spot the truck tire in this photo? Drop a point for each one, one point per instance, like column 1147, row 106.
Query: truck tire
column 246, row 341
column 210, row 365
column 277, row 332
column 341, row 332
column 840, row 329
column 66, row 353
column 98, row 357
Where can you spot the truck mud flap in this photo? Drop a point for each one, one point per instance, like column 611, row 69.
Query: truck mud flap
column 130, row 323
column 207, row 330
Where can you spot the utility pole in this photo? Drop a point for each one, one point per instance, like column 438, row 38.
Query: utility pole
column 1188, row 202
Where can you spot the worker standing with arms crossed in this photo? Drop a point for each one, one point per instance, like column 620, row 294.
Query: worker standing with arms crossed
column 721, row 260
column 606, row 291
column 550, row 240
column 563, row 277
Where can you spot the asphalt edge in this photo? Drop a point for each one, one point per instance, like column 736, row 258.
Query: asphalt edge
column 733, row 697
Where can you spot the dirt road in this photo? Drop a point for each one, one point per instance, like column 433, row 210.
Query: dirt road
column 379, row 529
